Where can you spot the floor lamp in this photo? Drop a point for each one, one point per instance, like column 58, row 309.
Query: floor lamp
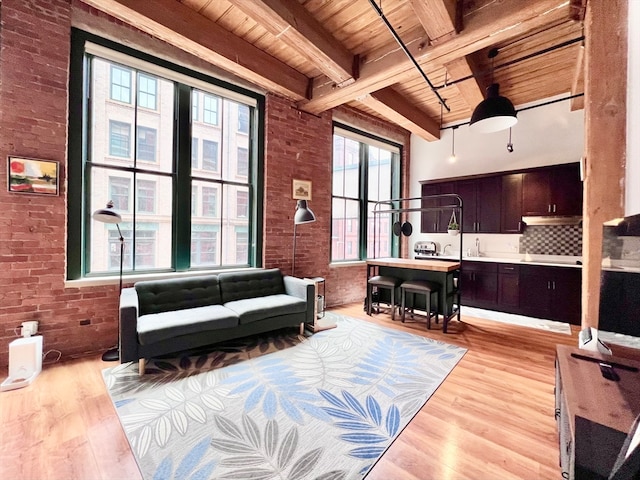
column 109, row 215
column 305, row 215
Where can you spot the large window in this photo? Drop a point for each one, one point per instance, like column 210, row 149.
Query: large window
column 166, row 168
column 364, row 173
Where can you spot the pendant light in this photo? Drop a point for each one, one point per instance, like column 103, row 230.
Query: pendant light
column 495, row 112
column 453, row 158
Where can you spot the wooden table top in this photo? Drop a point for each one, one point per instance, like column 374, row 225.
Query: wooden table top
column 430, row 265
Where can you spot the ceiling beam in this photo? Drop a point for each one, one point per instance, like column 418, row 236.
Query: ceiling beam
column 184, row 28
column 438, row 18
column 292, row 24
column 577, row 86
column 496, row 23
column 472, row 90
column 395, row 108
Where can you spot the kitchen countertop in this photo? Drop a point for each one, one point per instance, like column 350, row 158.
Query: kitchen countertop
column 544, row 260
column 435, row 265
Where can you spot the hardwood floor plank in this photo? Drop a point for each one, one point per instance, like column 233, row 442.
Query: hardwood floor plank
column 493, row 417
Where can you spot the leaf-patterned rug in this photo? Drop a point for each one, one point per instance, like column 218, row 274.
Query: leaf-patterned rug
column 283, row 406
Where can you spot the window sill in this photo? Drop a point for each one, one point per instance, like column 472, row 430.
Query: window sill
column 130, row 279
column 352, row 263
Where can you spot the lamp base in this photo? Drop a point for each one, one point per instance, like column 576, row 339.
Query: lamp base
column 112, row 355
column 322, row 324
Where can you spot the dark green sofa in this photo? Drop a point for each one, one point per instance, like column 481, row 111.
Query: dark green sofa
column 165, row 316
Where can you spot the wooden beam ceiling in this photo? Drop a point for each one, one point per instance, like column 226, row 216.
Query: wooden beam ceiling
column 398, row 110
column 577, row 86
column 437, row 17
column 292, row 24
column 486, row 27
column 471, row 90
column 181, row 26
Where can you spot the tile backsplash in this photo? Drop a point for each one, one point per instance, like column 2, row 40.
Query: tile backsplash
column 552, row 240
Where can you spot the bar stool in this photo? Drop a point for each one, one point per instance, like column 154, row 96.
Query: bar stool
column 381, row 281
column 421, row 287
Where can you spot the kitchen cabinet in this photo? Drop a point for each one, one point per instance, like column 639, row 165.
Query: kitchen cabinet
column 479, row 284
column 552, row 191
column 508, row 287
column 480, row 204
column 553, row 293
column 436, row 221
column 620, row 302
column 511, row 204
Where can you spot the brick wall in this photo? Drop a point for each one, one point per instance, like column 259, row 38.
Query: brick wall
column 34, row 105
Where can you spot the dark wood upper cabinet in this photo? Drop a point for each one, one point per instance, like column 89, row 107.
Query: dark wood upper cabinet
column 480, row 204
column 436, row 220
column 511, row 214
column 552, row 191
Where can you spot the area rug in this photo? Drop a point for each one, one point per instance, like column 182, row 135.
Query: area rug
column 288, row 406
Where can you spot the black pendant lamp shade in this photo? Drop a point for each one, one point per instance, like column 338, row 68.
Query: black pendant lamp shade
column 494, row 113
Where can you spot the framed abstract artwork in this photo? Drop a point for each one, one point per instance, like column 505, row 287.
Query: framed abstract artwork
column 30, row 175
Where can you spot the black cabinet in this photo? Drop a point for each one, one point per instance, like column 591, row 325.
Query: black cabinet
column 479, row 284
column 553, row 293
column 436, row 220
column 552, row 191
column 620, row 302
column 481, row 204
column 511, row 204
column 508, row 287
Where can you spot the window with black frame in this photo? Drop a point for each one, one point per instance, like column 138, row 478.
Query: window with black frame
column 365, row 172
column 133, row 157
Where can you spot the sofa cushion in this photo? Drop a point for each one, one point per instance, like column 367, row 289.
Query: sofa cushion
column 157, row 296
column 250, row 284
column 156, row 327
column 261, row 308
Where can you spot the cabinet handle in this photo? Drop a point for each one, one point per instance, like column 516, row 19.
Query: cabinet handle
column 509, row 268
column 548, row 285
column 554, row 208
column 519, row 226
column 554, row 284
column 549, row 208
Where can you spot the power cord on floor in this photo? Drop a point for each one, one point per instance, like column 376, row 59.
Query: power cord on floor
column 51, row 361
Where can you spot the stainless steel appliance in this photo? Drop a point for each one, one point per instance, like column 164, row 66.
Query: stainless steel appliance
column 425, row 249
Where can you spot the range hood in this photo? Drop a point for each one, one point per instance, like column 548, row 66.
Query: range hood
column 553, row 220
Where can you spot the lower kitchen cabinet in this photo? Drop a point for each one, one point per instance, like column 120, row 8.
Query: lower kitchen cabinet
column 479, row 284
column 620, row 302
column 509, row 287
column 553, row 293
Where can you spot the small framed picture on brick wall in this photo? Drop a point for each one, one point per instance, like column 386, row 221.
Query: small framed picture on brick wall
column 301, row 189
column 30, row 175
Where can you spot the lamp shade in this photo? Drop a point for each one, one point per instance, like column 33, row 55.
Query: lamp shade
column 303, row 213
column 107, row 215
column 494, row 113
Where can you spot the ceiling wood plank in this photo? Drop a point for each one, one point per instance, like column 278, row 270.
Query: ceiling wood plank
column 184, row 28
column 398, row 110
column 471, row 90
column 488, row 26
column 291, row 23
column 577, row 86
column 437, row 17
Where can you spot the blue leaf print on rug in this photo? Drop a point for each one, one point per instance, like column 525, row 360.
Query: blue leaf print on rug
column 187, row 465
column 273, row 385
column 365, row 423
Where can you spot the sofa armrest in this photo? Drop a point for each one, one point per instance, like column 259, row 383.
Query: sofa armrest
column 304, row 289
column 128, row 325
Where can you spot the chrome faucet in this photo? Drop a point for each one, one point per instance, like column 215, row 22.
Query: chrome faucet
column 477, row 246
column 444, row 249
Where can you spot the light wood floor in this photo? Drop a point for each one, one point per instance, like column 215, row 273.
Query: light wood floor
column 492, row 418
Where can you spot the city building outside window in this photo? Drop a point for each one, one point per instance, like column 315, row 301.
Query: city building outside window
column 365, row 171
column 115, row 167
column 243, row 119
column 243, row 162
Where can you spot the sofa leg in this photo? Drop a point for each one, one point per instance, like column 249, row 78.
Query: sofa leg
column 302, row 328
column 141, row 366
